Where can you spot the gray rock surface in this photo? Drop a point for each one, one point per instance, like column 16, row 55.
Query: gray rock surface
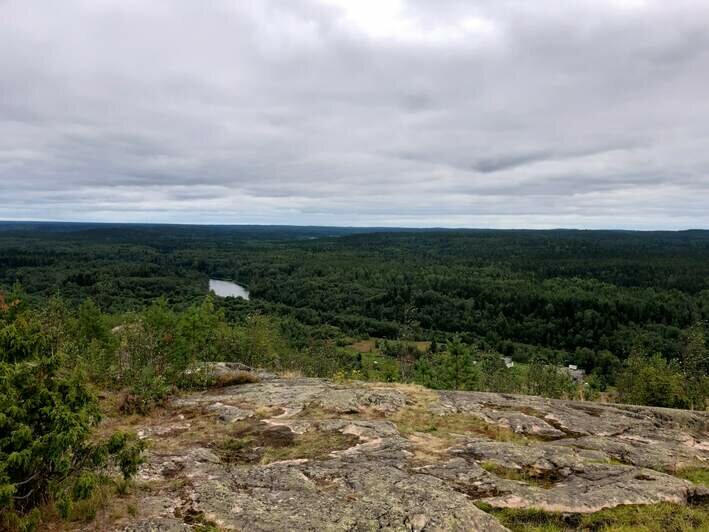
column 309, row 454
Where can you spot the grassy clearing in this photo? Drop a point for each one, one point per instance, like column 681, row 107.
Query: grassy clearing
column 663, row 517
column 370, row 345
column 379, row 368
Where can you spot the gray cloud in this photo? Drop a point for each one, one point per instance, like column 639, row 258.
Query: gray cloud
column 376, row 112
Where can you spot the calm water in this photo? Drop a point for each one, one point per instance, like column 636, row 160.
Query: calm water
column 227, row 289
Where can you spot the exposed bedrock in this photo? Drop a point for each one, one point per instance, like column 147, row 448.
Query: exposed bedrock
column 309, row 454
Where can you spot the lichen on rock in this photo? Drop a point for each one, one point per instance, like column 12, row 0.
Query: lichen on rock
column 310, row 454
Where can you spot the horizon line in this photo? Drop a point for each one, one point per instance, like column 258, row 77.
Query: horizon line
column 307, row 226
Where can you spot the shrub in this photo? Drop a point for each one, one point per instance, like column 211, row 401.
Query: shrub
column 46, row 415
column 151, row 390
column 45, row 454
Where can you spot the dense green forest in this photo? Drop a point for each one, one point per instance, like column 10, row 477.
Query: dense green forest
column 90, row 309
column 520, row 292
column 589, row 298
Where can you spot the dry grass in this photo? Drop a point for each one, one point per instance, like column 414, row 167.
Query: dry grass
column 291, row 374
column 107, row 504
column 364, row 346
column 428, row 448
column 234, row 378
column 369, row 345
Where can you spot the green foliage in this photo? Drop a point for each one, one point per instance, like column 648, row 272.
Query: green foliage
column 695, row 367
column 548, row 380
column 651, row 381
column 149, row 391
column 698, row 475
column 46, row 416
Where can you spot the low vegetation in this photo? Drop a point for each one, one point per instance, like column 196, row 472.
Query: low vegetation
column 646, row 518
column 412, row 420
column 694, row 474
column 528, row 476
column 261, row 443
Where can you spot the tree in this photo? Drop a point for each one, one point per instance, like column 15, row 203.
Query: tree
column 456, row 352
column 695, row 365
column 651, row 381
column 548, row 379
column 91, row 322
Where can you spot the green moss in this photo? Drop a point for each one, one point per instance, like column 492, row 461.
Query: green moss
column 260, row 443
column 235, row 449
column 663, row 517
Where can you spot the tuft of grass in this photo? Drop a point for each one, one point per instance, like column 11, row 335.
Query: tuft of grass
column 234, row 378
column 662, row 517
column 698, row 475
column 236, row 450
column 291, row 374
column 105, row 497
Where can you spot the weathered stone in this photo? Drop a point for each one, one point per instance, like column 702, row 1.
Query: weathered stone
column 559, row 456
column 593, row 487
column 229, row 413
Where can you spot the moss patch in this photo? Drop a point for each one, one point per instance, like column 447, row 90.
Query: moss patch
column 262, row 443
column 311, row 445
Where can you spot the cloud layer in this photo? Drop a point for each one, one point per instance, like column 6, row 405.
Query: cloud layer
column 498, row 113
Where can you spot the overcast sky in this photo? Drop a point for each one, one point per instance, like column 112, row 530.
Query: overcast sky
column 491, row 113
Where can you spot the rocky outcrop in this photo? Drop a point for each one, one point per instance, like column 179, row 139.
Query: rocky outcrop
column 309, row 454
